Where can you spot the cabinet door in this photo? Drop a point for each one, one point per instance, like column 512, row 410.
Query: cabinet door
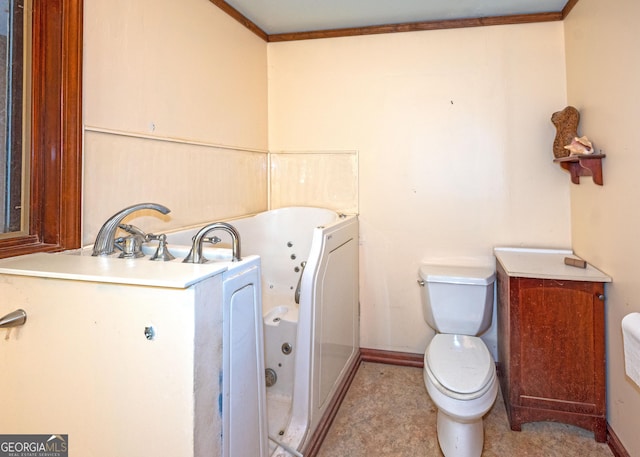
column 561, row 325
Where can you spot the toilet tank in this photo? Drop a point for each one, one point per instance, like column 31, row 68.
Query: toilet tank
column 457, row 299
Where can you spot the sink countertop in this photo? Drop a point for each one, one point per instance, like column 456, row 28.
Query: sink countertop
column 545, row 264
column 142, row 271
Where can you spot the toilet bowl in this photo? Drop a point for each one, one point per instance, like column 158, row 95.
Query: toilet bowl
column 460, row 377
column 459, row 372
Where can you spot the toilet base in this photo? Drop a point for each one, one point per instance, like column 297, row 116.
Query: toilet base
column 460, row 439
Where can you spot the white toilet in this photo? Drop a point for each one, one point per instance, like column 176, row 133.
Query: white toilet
column 459, row 371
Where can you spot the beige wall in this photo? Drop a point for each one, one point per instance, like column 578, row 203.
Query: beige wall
column 175, row 111
column 603, row 74
column 454, row 143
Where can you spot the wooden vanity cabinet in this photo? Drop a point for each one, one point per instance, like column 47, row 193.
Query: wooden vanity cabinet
column 551, row 347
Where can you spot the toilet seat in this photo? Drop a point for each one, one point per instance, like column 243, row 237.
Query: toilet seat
column 460, row 366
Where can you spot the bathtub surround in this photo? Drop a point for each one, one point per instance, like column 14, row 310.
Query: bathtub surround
column 234, row 179
column 200, row 182
column 325, row 179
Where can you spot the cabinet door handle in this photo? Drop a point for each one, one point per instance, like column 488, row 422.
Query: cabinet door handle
column 601, row 297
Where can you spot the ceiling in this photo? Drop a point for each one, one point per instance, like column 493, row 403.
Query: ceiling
column 275, row 17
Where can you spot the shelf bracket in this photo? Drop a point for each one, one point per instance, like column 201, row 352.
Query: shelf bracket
column 583, row 165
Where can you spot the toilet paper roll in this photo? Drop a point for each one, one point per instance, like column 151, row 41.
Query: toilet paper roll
column 631, row 341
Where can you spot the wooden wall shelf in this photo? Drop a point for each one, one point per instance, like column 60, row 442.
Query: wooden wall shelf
column 583, row 165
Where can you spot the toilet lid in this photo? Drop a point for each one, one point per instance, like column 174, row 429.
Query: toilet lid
column 461, row 363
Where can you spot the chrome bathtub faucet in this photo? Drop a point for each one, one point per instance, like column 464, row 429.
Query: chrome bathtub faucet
column 106, row 240
column 131, row 246
column 195, row 254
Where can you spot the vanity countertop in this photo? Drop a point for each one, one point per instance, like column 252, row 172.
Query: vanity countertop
column 142, row 271
column 545, row 264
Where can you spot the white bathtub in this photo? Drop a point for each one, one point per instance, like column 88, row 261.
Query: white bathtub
column 321, row 330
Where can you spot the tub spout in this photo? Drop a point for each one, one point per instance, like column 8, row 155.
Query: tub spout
column 195, row 255
column 105, row 241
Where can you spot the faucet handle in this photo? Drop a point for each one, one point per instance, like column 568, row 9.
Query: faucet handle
column 131, row 246
column 132, row 229
column 162, row 254
column 212, row 239
column 207, row 239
